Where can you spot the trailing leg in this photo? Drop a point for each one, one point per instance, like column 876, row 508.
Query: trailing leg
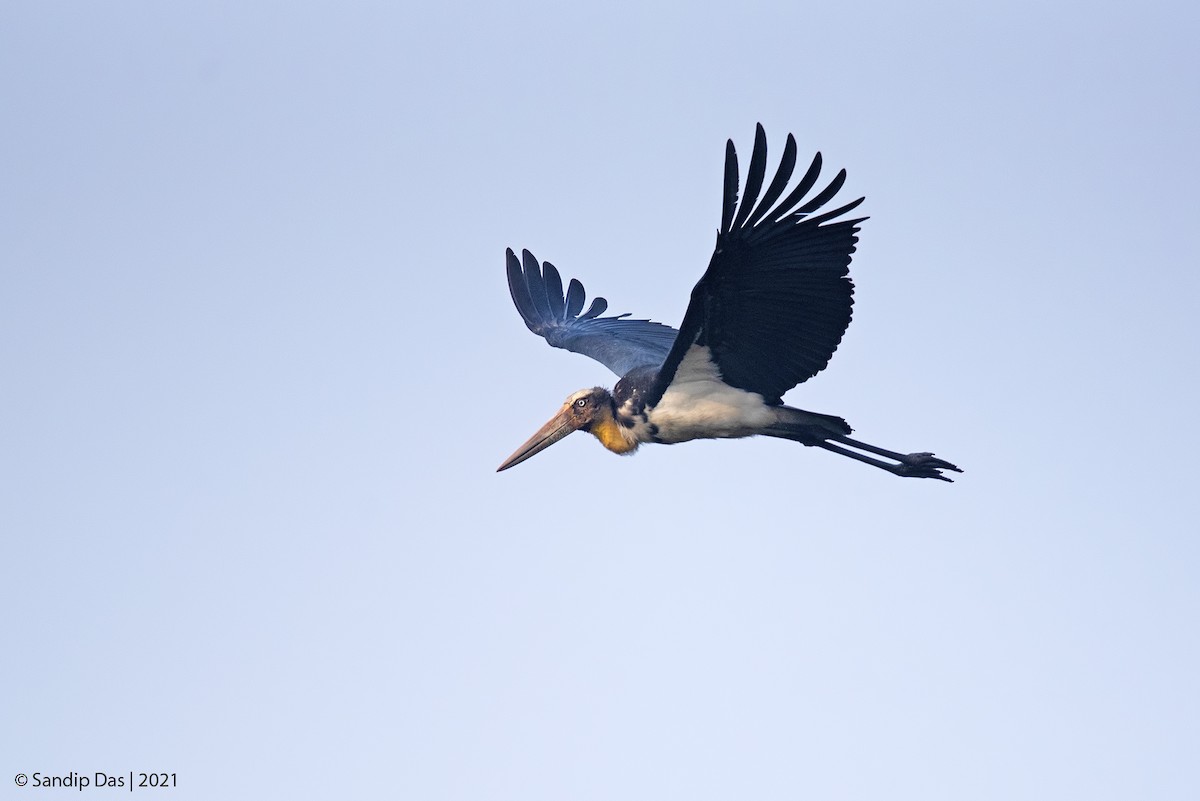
column 823, row 431
column 910, row 465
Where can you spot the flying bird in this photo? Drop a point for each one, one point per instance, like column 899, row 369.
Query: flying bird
column 767, row 314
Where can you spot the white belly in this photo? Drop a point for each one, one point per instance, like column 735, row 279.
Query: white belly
column 698, row 405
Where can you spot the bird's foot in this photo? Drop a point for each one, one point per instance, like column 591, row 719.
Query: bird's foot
column 923, row 465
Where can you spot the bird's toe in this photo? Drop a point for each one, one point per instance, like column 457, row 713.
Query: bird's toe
column 924, row 465
column 929, row 460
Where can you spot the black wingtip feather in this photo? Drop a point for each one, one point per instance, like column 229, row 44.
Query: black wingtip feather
column 574, row 301
column 779, row 183
column 806, row 183
column 598, row 307
column 729, row 205
column 829, row 215
column 824, row 196
column 519, row 289
column 537, row 287
column 554, row 290
column 754, row 178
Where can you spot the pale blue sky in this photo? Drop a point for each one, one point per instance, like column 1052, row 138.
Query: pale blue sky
column 260, row 364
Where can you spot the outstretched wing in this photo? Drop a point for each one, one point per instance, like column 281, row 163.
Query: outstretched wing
column 775, row 301
column 620, row 344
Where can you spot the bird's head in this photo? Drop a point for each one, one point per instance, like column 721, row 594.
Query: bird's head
column 586, row 410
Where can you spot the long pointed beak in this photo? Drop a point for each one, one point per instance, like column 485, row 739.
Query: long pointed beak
column 559, row 426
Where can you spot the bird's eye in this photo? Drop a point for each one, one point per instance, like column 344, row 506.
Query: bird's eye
column 581, row 402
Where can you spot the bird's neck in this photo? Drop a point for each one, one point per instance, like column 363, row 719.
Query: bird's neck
column 612, row 435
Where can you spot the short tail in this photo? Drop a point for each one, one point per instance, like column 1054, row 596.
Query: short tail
column 808, row 428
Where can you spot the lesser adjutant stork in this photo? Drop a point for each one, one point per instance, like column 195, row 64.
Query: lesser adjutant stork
column 767, row 315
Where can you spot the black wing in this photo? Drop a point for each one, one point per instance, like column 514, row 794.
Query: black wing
column 775, row 301
column 618, row 343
